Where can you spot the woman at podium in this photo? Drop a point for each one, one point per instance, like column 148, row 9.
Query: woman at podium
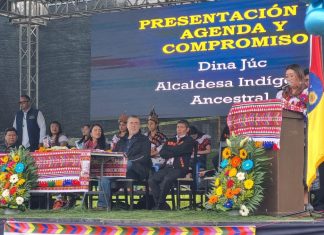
column 295, row 92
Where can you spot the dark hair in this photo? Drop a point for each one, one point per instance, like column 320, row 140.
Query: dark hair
column 298, row 70
column 306, row 72
column 102, row 139
column 11, row 129
column 56, row 142
column 26, row 97
column 195, row 131
column 83, row 137
column 183, row 121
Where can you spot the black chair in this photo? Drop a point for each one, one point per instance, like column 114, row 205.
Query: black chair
column 129, row 192
column 94, row 190
column 189, row 184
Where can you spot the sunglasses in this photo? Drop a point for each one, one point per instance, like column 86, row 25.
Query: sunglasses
column 22, row 102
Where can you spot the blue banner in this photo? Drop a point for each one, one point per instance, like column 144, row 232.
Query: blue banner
column 193, row 60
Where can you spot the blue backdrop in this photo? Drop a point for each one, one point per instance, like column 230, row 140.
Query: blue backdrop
column 130, row 72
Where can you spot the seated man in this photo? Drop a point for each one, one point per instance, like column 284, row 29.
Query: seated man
column 137, row 148
column 157, row 140
column 177, row 152
column 10, row 140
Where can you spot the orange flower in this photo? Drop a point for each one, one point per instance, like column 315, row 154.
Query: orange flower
column 41, row 149
column 236, row 191
column 229, row 193
column 236, row 161
column 213, row 199
column 258, row 144
column 7, row 185
column 226, row 153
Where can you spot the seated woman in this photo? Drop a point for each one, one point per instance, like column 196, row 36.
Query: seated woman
column 296, row 92
column 55, row 137
column 97, row 138
column 85, row 129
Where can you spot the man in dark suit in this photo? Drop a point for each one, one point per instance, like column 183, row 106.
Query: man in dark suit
column 137, row 148
column 177, row 152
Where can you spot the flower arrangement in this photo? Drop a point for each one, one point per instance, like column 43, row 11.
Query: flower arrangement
column 238, row 185
column 17, row 177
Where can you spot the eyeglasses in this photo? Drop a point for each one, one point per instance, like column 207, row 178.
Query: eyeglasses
column 22, row 102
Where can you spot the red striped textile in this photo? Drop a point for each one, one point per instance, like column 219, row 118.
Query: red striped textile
column 260, row 120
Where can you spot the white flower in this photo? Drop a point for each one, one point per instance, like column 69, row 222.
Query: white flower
column 240, row 176
column 14, row 178
column 244, row 211
column 19, row 200
column 5, row 193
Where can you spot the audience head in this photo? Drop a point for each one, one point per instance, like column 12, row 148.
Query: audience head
column 97, row 134
column 85, row 129
column 24, row 102
column 122, row 120
column 153, row 121
column 182, row 127
column 194, row 132
column 295, row 76
column 10, row 136
column 55, row 128
column 133, row 125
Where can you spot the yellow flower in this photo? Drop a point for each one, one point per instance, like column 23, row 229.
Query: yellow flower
column 258, row 144
column 248, row 184
column 232, row 172
column 217, row 182
column 219, row 191
column 3, row 176
column 21, row 191
column 226, row 153
column 21, row 182
column 5, row 159
column 243, row 153
column 16, row 158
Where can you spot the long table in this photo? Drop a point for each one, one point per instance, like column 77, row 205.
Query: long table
column 71, row 170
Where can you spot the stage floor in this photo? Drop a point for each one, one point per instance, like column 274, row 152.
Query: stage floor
column 156, row 222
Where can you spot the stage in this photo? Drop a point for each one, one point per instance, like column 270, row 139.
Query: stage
column 79, row 221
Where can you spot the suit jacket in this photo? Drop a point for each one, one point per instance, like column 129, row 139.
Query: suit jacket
column 179, row 150
column 137, row 149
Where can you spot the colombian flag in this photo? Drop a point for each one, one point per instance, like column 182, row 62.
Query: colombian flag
column 315, row 152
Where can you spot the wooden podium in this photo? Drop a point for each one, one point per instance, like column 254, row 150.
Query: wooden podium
column 284, row 187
